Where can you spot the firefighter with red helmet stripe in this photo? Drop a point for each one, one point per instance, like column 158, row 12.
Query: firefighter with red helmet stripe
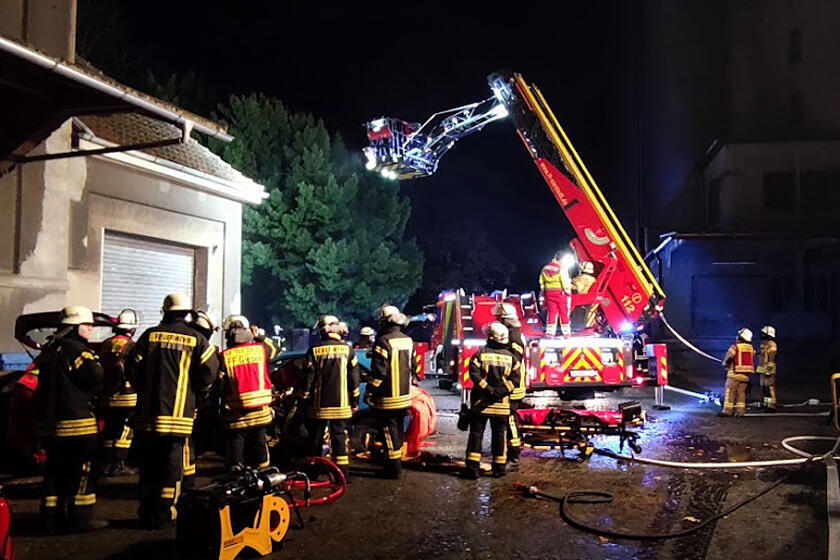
column 767, row 366
column 506, row 314
column 556, row 288
column 169, row 366
column 332, row 386
column 244, row 369
column 69, row 374
column 494, row 371
column 118, row 398
column 389, row 384
column 740, row 363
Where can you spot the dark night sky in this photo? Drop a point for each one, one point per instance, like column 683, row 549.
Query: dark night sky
column 353, row 63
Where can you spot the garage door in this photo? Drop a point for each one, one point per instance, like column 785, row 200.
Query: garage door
column 138, row 273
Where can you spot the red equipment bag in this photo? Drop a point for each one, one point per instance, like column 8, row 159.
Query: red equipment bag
column 423, row 420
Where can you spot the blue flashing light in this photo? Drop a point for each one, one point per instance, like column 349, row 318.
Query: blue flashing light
column 626, row 327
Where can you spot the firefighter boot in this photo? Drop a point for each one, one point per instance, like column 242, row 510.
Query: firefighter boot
column 345, row 470
column 393, row 469
column 53, row 516
column 471, row 470
column 80, row 520
column 499, row 470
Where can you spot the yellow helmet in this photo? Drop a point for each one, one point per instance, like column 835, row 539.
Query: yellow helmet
column 76, row 315
column 176, row 302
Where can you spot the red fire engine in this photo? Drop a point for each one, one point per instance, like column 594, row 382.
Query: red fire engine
column 625, row 295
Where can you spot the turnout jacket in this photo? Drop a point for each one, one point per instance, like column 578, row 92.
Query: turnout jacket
column 247, row 385
column 69, row 375
column 517, row 347
column 332, row 379
column 767, row 357
column 391, row 368
column 582, row 283
column 168, row 366
column 494, row 371
column 739, row 360
column 116, row 390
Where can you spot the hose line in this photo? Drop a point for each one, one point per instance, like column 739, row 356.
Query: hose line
column 684, row 341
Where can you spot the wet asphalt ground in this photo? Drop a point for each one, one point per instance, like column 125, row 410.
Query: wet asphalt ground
column 431, row 513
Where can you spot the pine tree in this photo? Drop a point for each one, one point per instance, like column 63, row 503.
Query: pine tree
column 330, row 237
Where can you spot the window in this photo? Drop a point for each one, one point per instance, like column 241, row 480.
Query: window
column 714, row 201
column 794, row 46
column 816, row 293
column 782, row 293
column 820, row 191
column 779, row 191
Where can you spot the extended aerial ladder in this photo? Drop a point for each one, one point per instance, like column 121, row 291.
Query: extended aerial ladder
column 625, row 291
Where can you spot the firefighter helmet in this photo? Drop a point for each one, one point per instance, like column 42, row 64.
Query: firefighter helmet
column 235, row 322
column 343, row 329
column 745, row 334
column 498, row 333
column 367, row 331
column 504, row 310
column 176, row 302
column 768, row 331
column 328, row 324
column 587, row 268
column 127, row 320
column 203, row 321
column 76, row 315
column 389, row 314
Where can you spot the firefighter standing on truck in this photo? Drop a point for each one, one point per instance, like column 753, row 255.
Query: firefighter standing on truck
column 118, row 398
column 69, row 374
column 767, row 366
column 247, row 393
column 332, row 386
column 506, row 314
column 389, row 384
column 739, row 361
column 169, row 366
column 494, row 371
column 556, row 287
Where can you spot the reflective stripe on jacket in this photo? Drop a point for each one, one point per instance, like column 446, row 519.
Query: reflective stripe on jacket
column 391, row 370
column 332, row 379
column 554, row 277
column 244, row 370
column 767, row 357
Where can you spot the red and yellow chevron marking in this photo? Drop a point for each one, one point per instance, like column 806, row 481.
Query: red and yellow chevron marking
column 663, row 368
column 465, row 370
column 542, row 366
column 569, row 355
column 581, row 358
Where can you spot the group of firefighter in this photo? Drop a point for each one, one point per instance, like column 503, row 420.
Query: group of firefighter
column 743, row 365
column 146, row 394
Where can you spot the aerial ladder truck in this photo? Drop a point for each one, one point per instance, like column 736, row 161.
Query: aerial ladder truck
column 625, row 295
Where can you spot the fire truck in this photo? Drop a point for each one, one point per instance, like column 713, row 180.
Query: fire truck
column 604, row 352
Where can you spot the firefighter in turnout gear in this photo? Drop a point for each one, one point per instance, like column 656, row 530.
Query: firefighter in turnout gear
column 332, row 388
column 582, row 283
column 208, row 415
column 556, row 287
column 367, row 335
column 389, row 386
column 69, row 375
column 247, row 392
column 494, row 371
column 169, row 366
column 739, row 361
column 767, row 366
column 506, row 314
column 118, row 398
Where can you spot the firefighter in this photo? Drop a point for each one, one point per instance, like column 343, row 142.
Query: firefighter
column 244, row 370
column 506, row 314
column 582, row 283
column 118, row 397
column 556, row 287
column 69, row 375
column 332, row 387
column 343, row 331
column 366, row 337
column 767, row 366
column 170, row 366
column 389, row 384
column 739, row 361
column 494, row 371
column 206, row 414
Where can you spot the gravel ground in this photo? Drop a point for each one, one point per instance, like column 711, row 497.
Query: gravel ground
column 433, row 513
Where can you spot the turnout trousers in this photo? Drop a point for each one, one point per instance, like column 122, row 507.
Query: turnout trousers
column 161, row 468
column 69, row 491
column 499, row 426
column 389, row 424
column 514, row 443
column 247, row 447
column 337, row 430
column 116, row 436
column 558, row 303
column 768, row 389
column 735, row 397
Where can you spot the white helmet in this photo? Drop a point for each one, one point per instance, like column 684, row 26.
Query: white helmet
column 176, row 302
column 127, row 320
column 587, row 268
column 343, row 329
column 745, row 334
column 367, row 331
column 767, row 330
column 328, row 324
column 498, row 333
column 390, row 314
column 235, row 322
column 202, row 320
column 504, row 310
column 76, row 315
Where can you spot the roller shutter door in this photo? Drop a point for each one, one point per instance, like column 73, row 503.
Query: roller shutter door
column 138, row 273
